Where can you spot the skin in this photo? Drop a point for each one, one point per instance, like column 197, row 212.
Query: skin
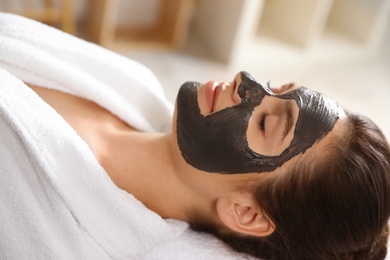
column 186, row 191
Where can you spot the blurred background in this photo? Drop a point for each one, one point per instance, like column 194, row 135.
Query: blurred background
column 338, row 47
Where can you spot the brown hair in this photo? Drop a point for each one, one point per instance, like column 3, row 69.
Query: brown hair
column 333, row 207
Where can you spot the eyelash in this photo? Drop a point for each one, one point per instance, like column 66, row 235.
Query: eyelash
column 262, row 121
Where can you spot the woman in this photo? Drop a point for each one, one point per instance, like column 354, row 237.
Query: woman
column 317, row 193
column 279, row 173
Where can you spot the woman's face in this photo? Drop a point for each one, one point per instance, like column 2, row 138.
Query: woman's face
column 244, row 126
column 271, row 125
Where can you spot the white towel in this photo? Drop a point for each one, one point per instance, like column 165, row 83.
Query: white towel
column 47, row 57
column 56, row 201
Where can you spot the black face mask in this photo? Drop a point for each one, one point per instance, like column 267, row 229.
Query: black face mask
column 217, row 142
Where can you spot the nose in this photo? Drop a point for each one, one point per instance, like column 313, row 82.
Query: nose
column 285, row 88
column 236, row 83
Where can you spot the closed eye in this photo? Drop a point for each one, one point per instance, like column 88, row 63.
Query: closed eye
column 262, row 121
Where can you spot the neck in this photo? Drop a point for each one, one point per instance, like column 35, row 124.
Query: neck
column 149, row 166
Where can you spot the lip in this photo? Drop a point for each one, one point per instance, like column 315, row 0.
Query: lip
column 211, row 94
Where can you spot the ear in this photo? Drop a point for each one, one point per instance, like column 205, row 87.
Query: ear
column 239, row 212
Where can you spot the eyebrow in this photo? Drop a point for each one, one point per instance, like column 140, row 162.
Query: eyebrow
column 289, row 121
